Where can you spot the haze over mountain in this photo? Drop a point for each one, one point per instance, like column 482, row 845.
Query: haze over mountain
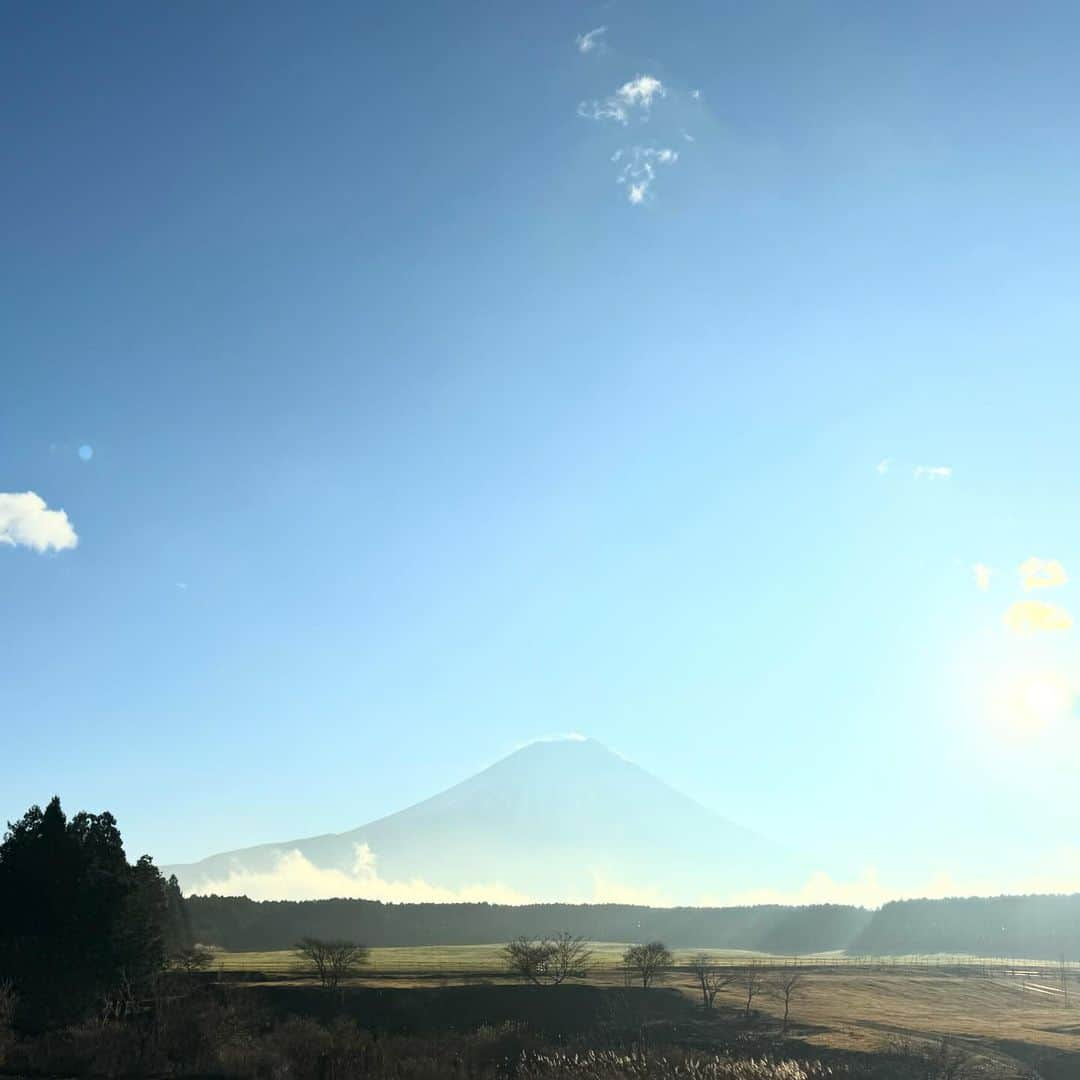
column 564, row 819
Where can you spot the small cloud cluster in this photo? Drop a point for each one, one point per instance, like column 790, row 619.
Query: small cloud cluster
column 1036, row 573
column 637, row 164
column 27, row 521
column 1027, row 617
column 593, row 41
column 638, row 169
column 983, row 574
column 633, row 101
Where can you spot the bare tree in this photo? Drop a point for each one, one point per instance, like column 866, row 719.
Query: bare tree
column 197, row 958
column 332, row 961
column 647, row 962
column 528, row 957
column 571, row 958
column 711, row 978
column 752, row 984
column 548, row 961
column 782, row 986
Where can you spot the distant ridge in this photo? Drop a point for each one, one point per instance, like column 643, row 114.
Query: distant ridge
column 564, row 819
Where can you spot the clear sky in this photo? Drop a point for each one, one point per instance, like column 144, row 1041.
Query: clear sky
column 419, row 380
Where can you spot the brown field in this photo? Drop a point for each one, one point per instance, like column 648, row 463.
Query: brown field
column 1022, row 1015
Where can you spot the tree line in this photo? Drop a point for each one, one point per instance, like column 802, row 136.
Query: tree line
column 237, row 923
column 1034, row 927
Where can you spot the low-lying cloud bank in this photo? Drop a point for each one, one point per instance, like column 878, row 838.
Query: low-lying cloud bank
column 294, row 877
column 869, row 890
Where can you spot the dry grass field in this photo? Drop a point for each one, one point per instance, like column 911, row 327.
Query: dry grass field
column 452, row 960
column 1022, row 1015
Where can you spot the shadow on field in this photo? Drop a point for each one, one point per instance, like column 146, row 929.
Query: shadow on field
column 565, row 1012
column 1048, row 1064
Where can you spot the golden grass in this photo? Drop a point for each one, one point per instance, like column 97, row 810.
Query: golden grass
column 838, row 1003
column 452, row 959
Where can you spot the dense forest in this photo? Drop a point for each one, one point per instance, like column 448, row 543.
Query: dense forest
column 239, row 923
column 1027, row 926
column 1033, row 927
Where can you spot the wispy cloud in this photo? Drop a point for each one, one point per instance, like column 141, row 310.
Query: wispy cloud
column 641, row 91
column 632, row 98
column 593, row 41
column 1027, row 617
column 882, row 466
column 26, row 521
column 637, row 169
column 933, row 472
column 982, row 573
column 1036, row 573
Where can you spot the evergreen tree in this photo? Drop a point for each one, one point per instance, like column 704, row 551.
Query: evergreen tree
column 77, row 922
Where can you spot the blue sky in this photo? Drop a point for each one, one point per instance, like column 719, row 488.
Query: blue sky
column 451, row 378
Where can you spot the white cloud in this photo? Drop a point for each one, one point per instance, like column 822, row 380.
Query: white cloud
column 869, row 890
column 1036, row 573
column 982, row 573
column 933, row 472
column 294, row 877
column 883, row 466
column 1027, row 617
column 641, row 91
column 592, row 41
column 26, row 521
column 637, row 94
column 637, row 169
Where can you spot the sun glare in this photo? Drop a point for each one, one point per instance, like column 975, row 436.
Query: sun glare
column 1030, row 703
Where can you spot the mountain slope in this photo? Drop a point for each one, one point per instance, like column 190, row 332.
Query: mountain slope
column 565, row 819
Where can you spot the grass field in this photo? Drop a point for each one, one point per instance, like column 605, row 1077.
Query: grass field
column 452, row 959
column 479, row 960
column 1021, row 1013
